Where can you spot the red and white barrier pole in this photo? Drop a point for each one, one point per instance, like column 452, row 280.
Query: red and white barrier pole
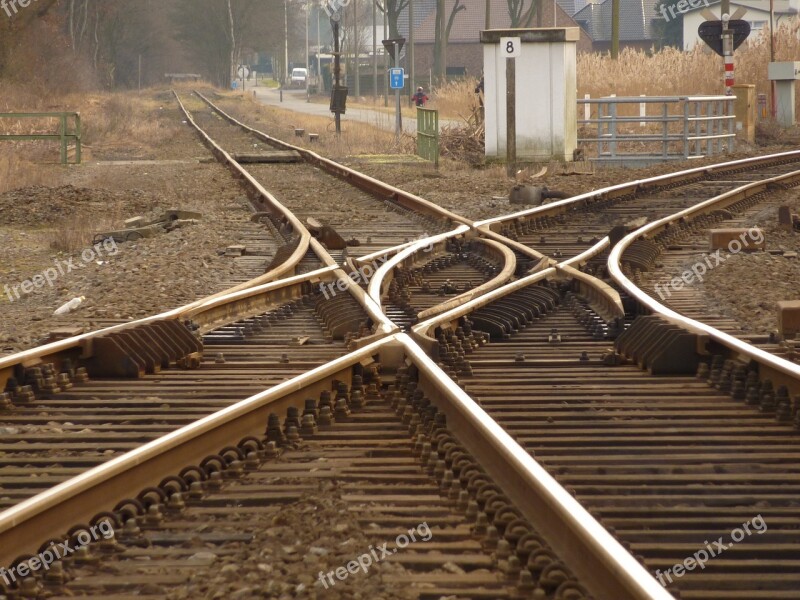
column 729, row 75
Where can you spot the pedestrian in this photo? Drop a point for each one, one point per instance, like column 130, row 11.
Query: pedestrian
column 420, row 98
column 479, row 111
column 479, row 92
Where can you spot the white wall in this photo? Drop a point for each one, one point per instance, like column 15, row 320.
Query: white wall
column 545, row 101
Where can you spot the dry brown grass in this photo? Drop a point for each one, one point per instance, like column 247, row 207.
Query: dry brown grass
column 109, row 120
column 127, row 120
column 672, row 72
column 356, row 138
column 17, row 172
column 456, row 99
column 77, row 231
column 669, row 72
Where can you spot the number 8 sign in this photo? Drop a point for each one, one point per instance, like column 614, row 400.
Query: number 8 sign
column 510, row 47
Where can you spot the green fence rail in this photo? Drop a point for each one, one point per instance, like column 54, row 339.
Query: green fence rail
column 64, row 134
column 428, row 134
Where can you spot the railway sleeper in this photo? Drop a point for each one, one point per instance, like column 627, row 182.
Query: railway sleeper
column 153, row 523
column 339, row 317
column 743, row 383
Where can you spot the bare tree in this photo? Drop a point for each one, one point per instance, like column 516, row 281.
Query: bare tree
column 217, row 31
column 521, row 16
column 393, row 10
column 443, row 29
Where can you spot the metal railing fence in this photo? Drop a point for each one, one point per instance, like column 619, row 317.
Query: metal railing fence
column 680, row 127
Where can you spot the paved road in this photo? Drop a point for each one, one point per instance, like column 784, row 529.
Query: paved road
column 296, row 100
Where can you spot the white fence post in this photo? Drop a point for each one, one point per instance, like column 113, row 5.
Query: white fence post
column 642, row 110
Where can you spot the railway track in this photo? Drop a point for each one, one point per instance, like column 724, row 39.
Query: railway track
column 246, row 434
column 566, row 228
column 666, row 462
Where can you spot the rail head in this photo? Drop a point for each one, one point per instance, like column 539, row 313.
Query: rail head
column 268, row 200
column 381, row 279
column 426, row 328
column 76, row 500
column 200, row 310
column 561, row 206
column 351, row 175
column 592, row 553
column 507, row 259
column 770, row 362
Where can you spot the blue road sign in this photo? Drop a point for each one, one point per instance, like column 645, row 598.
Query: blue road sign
column 396, row 79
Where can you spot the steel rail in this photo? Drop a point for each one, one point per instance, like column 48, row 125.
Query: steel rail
column 77, row 500
column 598, row 560
column 383, row 323
column 307, row 241
column 505, row 274
column 383, row 276
column 421, row 332
column 56, row 351
column 590, row 551
column 360, row 180
column 773, row 366
column 606, row 568
column 265, row 199
column 560, row 206
column 381, row 280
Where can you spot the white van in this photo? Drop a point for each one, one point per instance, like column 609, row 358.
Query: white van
column 299, row 77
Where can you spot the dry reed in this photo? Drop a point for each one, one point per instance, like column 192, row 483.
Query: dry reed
column 673, row 72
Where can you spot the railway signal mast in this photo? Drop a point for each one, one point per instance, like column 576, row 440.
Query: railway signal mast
column 724, row 36
column 338, row 93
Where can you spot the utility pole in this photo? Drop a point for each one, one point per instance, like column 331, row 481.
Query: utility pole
column 511, row 118
column 487, row 24
column 412, row 73
column 308, row 70
column 399, row 114
column 337, row 70
column 374, row 50
column 320, row 80
column 727, row 46
column 614, row 29
column 356, row 51
column 773, row 103
column 386, row 35
column 286, row 40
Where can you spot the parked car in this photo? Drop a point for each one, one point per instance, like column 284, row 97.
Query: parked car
column 299, row 77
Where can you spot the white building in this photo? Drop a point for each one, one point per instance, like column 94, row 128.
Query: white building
column 757, row 15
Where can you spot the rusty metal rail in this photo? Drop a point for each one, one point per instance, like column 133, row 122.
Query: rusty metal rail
column 779, row 370
column 590, row 552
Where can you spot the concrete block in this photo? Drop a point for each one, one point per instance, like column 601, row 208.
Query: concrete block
column 738, row 239
column 789, row 318
column 745, row 111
